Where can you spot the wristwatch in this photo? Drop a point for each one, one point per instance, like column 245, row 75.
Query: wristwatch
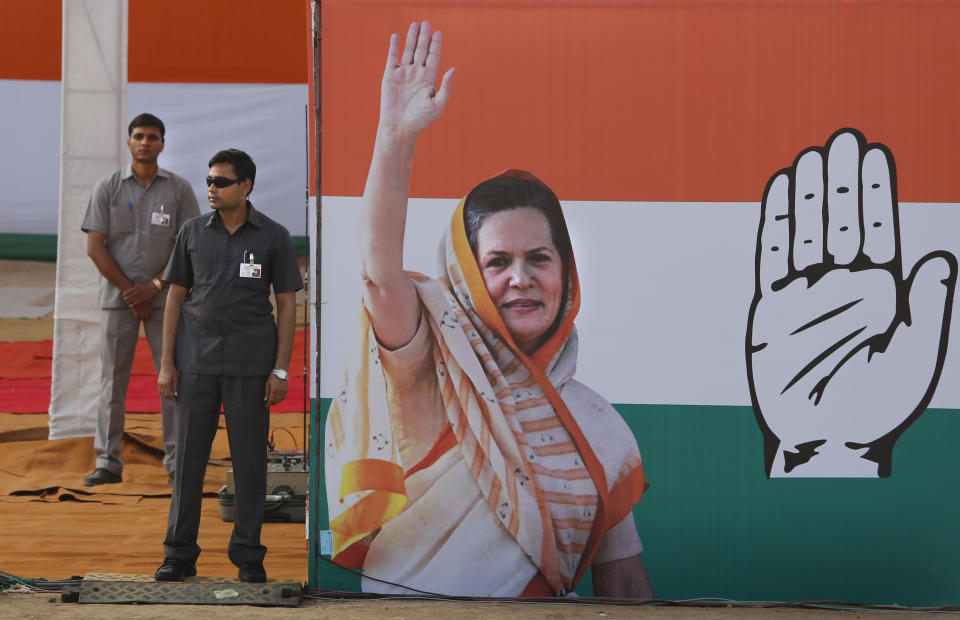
column 157, row 283
column 279, row 373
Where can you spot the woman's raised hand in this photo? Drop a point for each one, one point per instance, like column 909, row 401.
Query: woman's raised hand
column 409, row 100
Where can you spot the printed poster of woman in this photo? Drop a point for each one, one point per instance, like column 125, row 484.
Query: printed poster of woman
column 462, row 457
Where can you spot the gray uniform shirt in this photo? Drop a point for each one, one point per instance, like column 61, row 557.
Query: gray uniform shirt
column 141, row 225
column 226, row 324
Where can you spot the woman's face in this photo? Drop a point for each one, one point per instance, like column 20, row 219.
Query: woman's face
column 523, row 272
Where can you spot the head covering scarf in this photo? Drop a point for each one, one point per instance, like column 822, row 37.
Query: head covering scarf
column 496, row 399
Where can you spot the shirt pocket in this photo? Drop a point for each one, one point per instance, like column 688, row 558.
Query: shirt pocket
column 162, row 236
column 203, row 263
column 257, row 283
column 122, row 219
column 156, row 219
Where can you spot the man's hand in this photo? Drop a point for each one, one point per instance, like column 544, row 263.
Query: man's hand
column 276, row 390
column 843, row 352
column 142, row 311
column 167, row 379
column 139, row 293
column 138, row 298
column 168, row 382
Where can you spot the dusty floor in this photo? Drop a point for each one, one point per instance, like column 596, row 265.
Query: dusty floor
column 48, row 606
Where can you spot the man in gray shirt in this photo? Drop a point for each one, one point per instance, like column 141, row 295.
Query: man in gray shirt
column 222, row 348
column 131, row 224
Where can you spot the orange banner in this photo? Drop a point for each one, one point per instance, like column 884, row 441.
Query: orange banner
column 240, row 41
column 653, row 101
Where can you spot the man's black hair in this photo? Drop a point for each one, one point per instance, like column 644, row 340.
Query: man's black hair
column 243, row 165
column 147, row 120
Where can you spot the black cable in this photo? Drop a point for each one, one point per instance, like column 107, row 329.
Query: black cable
column 353, row 571
column 38, row 585
column 697, row 602
column 306, row 287
column 707, row 603
column 41, row 585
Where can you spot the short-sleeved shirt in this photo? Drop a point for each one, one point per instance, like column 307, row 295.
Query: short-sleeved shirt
column 140, row 223
column 226, row 325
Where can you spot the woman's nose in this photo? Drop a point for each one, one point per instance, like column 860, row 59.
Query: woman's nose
column 518, row 275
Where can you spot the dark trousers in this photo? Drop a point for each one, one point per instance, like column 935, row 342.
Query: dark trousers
column 248, row 422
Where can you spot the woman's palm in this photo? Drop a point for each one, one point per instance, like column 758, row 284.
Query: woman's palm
column 409, row 101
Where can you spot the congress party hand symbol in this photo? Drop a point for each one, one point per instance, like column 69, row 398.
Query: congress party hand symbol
column 843, row 352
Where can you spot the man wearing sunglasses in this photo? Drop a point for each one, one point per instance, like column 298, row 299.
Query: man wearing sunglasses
column 221, row 347
column 131, row 223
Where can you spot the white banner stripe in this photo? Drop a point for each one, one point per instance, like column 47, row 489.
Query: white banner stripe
column 666, row 291
column 266, row 120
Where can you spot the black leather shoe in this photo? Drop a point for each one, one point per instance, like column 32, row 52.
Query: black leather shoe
column 173, row 569
column 252, row 572
column 101, row 476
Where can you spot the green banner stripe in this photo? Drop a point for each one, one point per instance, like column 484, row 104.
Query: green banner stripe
column 713, row 525
column 17, row 246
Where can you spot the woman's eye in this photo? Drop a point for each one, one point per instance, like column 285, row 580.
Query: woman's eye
column 499, row 261
column 540, row 258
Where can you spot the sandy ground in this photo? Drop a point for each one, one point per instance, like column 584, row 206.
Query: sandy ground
column 19, row 276
column 14, row 276
column 47, row 606
column 29, row 605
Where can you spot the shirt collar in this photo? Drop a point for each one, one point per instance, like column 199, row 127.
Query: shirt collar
column 253, row 217
column 128, row 172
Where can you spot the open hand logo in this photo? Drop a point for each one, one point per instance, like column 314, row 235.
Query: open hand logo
column 843, row 353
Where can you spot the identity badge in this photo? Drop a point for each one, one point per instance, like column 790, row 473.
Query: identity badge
column 160, row 218
column 248, row 268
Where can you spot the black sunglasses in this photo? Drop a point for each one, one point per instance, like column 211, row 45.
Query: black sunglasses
column 221, row 182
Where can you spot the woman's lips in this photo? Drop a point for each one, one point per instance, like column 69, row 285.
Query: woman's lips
column 522, row 305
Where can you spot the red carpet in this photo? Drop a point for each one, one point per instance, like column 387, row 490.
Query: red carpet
column 25, row 378
column 25, row 360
